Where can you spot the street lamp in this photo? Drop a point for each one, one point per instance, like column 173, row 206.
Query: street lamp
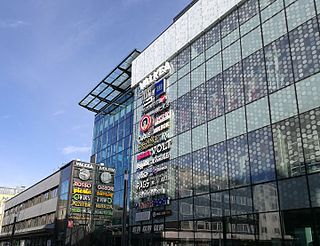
column 124, row 211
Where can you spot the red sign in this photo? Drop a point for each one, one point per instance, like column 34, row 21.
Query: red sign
column 70, row 223
column 145, row 123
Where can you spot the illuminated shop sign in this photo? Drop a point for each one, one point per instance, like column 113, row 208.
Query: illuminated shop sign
column 159, row 88
column 161, row 147
column 107, row 200
column 80, row 210
column 153, row 203
column 105, row 194
column 104, row 206
column 146, row 228
column 84, row 165
column 144, row 155
column 158, row 105
column 104, row 212
column 161, row 127
column 163, row 213
column 84, row 174
column 153, row 181
column 153, row 172
column 82, row 184
column 152, row 192
column 158, row 227
column 145, row 123
column 81, row 204
column 82, row 191
column 143, row 216
column 105, row 187
column 156, row 75
column 80, row 197
column 155, row 160
column 162, row 118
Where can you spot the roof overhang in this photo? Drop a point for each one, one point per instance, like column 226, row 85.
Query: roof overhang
column 114, row 90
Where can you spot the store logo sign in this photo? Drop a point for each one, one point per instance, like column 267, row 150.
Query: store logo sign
column 143, row 216
column 159, row 88
column 156, row 75
column 162, row 118
column 144, row 155
column 145, row 123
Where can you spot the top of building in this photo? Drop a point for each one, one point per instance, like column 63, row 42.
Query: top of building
column 114, row 90
column 11, row 190
column 193, row 20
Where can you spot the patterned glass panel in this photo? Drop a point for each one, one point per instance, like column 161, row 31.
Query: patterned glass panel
column 288, row 148
column 200, row 171
column 185, row 175
column 305, row 48
column 238, row 161
column 278, row 63
column 233, row 87
column 261, row 155
column 218, row 167
column 310, row 128
column 254, row 77
column 215, row 98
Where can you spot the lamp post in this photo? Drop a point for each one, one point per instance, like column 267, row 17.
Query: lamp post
column 124, row 211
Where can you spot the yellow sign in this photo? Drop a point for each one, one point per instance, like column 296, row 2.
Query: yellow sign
column 80, row 204
column 82, row 191
column 102, row 193
column 104, row 206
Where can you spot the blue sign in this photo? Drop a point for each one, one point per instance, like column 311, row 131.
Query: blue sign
column 159, row 88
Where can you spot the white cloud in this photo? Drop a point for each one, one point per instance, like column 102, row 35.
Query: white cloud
column 12, row 23
column 59, row 112
column 75, row 149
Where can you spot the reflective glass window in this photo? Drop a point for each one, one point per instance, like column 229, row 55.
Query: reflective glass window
column 254, row 77
column 238, row 161
column 265, row 197
column 215, row 98
column 310, row 128
column 278, row 64
column 261, row 155
column 185, row 175
column 288, row 148
column 199, row 110
column 202, row 207
column 218, row 167
column 293, row 193
column 305, row 49
column 200, row 171
column 233, row 87
column 241, row 201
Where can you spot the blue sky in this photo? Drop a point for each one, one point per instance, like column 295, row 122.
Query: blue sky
column 52, row 53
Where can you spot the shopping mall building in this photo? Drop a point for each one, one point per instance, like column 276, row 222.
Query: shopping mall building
column 226, row 147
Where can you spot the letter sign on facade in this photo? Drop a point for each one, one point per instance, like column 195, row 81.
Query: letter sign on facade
column 145, row 123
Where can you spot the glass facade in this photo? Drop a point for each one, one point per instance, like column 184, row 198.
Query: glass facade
column 245, row 122
column 112, row 139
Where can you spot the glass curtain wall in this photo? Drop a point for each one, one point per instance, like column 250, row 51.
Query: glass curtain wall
column 112, row 146
column 245, row 155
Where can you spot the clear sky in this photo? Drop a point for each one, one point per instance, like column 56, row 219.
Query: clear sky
column 52, row 53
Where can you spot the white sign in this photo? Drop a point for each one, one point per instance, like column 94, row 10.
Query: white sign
column 162, row 118
column 156, row 75
column 143, row 216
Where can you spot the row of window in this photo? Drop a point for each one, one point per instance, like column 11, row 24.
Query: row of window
column 30, row 223
column 52, row 193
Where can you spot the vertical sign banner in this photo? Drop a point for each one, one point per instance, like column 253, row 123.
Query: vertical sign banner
column 91, row 193
column 154, row 143
column 104, row 189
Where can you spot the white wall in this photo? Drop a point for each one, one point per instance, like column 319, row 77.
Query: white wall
column 200, row 16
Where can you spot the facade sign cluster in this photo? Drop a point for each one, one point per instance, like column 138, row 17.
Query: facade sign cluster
column 92, row 193
column 154, row 144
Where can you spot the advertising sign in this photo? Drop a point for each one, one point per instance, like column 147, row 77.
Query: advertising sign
column 92, row 193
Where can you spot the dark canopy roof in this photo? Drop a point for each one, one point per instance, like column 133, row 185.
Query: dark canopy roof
column 114, row 90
